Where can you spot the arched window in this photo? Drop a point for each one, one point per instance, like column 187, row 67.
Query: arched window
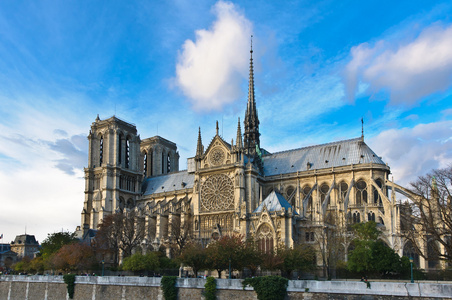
column 163, row 163
column 377, row 197
column 145, row 164
column 101, row 150
column 356, row 217
column 371, row 216
column 361, row 192
column 120, row 139
column 265, row 238
column 343, row 187
column 127, row 153
column 306, row 191
column 410, row 252
column 168, row 163
column 323, row 192
column 151, row 163
column 289, row 193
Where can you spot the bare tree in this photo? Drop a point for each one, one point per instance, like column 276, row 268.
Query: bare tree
column 120, row 232
column 180, row 233
column 330, row 241
column 427, row 218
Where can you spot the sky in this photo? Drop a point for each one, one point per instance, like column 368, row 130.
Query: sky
column 170, row 67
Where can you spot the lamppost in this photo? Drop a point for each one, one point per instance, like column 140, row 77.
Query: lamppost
column 411, row 265
column 103, row 263
column 229, row 268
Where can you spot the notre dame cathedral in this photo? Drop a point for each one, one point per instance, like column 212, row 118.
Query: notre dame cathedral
column 239, row 187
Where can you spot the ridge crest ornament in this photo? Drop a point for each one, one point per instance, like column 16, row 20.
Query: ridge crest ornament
column 217, row 193
column 217, row 157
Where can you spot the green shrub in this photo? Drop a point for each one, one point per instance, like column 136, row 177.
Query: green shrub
column 169, row 288
column 69, row 279
column 268, row 287
column 210, row 289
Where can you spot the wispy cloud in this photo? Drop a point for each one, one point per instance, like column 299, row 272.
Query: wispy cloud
column 408, row 71
column 415, row 151
column 211, row 69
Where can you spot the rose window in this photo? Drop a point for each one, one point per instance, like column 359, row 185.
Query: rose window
column 217, row 193
column 217, row 157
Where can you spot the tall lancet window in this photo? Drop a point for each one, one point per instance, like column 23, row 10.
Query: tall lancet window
column 168, row 163
column 101, row 150
column 127, row 153
column 163, row 163
column 145, row 164
column 151, row 163
column 120, row 149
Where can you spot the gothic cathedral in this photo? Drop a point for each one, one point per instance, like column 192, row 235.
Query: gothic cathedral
column 238, row 188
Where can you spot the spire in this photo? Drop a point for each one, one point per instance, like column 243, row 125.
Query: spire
column 362, row 129
column 217, row 128
column 251, row 135
column 199, row 147
column 238, row 141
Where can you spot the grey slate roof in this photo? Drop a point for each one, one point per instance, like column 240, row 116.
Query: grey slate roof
column 168, row 183
column 274, row 202
column 335, row 154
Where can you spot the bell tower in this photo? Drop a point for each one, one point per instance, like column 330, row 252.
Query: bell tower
column 113, row 176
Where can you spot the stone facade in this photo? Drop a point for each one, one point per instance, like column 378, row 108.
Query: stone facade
column 25, row 245
column 288, row 197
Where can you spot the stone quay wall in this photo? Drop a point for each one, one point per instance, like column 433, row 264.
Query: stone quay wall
column 18, row 287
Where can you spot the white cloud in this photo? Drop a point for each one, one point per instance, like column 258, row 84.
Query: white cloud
column 411, row 152
column 211, row 69
column 42, row 155
column 409, row 71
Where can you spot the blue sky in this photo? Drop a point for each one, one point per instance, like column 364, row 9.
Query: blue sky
column 172, row 66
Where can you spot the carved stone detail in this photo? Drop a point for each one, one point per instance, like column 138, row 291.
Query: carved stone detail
column 217, row 193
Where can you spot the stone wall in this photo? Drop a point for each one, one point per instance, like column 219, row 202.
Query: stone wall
column 137, row 288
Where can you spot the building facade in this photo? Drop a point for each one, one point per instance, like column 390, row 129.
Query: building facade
column 238, row 187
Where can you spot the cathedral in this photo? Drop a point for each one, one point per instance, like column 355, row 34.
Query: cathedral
column 238, row 187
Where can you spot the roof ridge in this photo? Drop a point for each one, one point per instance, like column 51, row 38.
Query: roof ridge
column 313, row 146
column 167, row 174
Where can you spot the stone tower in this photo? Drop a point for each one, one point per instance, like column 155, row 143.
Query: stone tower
column 159, row 156
column 114, row 173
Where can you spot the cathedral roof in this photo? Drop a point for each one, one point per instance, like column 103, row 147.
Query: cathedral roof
column 274, row 202
column 168, row 183
column 335, row 154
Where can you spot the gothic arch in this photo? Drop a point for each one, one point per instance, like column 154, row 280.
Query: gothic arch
column 343, row 188
column 410, row 252
column 121, row 140
column 361, row 193
column 376, row 196
column 265, row 237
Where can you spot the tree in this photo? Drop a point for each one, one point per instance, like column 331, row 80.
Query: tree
column 54, row 242
column 224, row 252
column 75, row 257
column 372, row 256
column 121, row 231
column 271, row 261
column 194, row 256
column 330, row 240
column 300, row 257
column 251, row 256
column 427, row 217
column 139, row 262
column 180, row 234
column 360, row 258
